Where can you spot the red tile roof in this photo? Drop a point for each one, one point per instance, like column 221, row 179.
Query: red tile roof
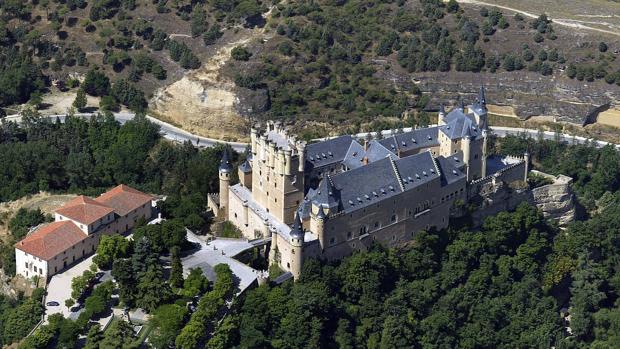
column 124, row 199
column 84, row 210
column 51, row 239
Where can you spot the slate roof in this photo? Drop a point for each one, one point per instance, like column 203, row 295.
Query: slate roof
column 326, row 194
column 417, row 169
column 327, row 152
column 124, row 199
column 449, row 172
column 414, row 139
column 51, row 239
column 459, row 125
column 378, row 180
column 246, row 166
column 84, row 210
column 366, row 185
column 225, row 164
column 354, row 156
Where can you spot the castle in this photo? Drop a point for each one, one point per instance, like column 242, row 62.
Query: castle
column 332, row 198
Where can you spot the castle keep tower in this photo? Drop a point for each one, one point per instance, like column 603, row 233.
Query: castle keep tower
column 277, row 180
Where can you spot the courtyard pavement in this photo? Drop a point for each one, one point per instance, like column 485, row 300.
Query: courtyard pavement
column 220, row 251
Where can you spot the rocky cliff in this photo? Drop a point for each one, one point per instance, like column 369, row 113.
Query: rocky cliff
column 555, row 200
column 530, row 94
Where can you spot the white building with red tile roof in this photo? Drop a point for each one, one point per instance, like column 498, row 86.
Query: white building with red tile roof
column 77, row 229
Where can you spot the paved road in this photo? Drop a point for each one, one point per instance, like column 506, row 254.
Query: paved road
column 176, row 134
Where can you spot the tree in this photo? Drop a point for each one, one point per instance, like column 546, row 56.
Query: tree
column 94, row 337
column 108, row 103
column 167, row 321
column 602, row 46
column 25, row 219
column 96, row 83
column 110, row 248
column 453, row 6
column 240, row 53
column 118, row 335
column 123, row 273
column 195, row 283
column 176, row 273
column 151, row 291
column 397, row 334
column 79, row 102
column 18, row 322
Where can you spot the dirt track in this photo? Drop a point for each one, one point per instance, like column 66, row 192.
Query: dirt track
column 572, row 23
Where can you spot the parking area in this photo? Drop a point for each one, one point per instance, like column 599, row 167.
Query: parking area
column 59, row 288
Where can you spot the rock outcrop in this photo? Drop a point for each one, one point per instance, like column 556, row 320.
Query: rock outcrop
column 556, row 200
column 530, row 94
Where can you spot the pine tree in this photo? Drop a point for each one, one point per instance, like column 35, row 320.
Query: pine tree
column 80, row 100
column 176, row 274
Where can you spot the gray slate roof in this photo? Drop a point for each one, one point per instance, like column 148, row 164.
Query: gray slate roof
column 327, row 152
column 225, row 164
column 449, row 172
column 459, row 125
column 417, row 169
column 378, row 181
column 246, row 166
column 414, row 139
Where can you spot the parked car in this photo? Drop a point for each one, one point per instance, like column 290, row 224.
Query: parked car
column 99, row 275
column 52, row 304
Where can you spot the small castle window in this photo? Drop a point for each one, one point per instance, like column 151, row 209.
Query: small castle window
column 349, row 235
column 376, row 224
column 332, row 241
column 393, row 219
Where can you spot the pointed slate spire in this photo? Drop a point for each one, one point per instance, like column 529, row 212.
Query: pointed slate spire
column 481, row 97
column 442, row 109
column 297, row 230
column 225, row 164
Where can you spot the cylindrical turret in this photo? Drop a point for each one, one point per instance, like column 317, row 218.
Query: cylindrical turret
column 485, row 136
column 287, row 162
column 317, row 224
column 297, row 243
column 253, row 140
column 272, row 155
column 224, row 174
column 262, row 147
column 301, row 149
column 466, row 141
column 526, row 158
column 441, row 115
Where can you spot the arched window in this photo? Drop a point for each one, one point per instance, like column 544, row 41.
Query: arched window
column 394, row 218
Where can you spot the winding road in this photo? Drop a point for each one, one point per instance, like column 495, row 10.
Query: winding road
column 178, row 135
